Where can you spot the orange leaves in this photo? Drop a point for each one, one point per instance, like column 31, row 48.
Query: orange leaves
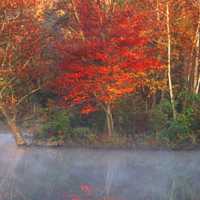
column 88, row 109
column 14, row 4
column 102, row 67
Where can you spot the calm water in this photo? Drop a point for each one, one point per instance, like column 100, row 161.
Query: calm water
column 72, row 174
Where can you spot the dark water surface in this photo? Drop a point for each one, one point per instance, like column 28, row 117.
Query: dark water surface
column 72, row 174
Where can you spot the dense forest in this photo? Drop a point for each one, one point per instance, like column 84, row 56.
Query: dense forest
column 114, row 72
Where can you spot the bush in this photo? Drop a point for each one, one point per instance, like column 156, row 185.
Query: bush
column 158, row 119
column 131, row 119
column 81, row 132
column 186, row 124
column 56, row 125
column 176, row 131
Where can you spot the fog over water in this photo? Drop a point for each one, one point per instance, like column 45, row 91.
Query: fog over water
column 58, row 174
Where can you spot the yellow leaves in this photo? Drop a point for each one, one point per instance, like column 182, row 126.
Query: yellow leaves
column 68, row 33
column 13, row 100
column 116, row 92
column 113, row 90
column 41, row 7
column 60, row 13
column 2, row 83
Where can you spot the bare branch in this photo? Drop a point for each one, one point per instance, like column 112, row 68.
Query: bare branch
column 27, row 95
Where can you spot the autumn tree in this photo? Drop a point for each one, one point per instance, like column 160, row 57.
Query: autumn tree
column 178, row 32
column 104, row 55
column 193, row 14
column 23, row 67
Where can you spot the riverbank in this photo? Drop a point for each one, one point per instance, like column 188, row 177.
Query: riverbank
column 118, row 143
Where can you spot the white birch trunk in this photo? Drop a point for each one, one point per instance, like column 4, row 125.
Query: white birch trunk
column 169, row 63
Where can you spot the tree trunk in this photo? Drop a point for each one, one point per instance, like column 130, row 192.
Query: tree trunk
column 109, row 120
column 14, row 129
column 157, row 10
column 196, row 67
column 194, row 71
column 169, row 64
column 198, row 85
column 17, row 133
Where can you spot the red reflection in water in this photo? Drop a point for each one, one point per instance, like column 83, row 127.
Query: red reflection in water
column 86, row 188
column 88, row 192
column 65, row 196
column 75, row 197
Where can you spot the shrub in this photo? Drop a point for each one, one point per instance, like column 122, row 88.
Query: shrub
column 169, row 129
column 57, row 124
column 81, row 132
column 178, row 129
column 158, row 119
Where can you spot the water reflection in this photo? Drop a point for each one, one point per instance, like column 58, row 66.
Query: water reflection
column 82, row 174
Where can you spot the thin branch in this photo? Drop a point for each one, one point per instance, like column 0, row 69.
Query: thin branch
column 3, row 111
column 27, row 95
column 77, row 19
column 5, row 56
column 3, row 26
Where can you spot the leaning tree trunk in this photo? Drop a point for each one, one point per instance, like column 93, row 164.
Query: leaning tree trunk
column 17, row 133
column 14, row 129
column 109, row 120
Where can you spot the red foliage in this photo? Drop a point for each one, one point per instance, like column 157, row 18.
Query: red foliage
column 101, row 63
column 87, row 189
column 75, row 197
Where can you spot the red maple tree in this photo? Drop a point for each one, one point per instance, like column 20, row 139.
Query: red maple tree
column 103, row 56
